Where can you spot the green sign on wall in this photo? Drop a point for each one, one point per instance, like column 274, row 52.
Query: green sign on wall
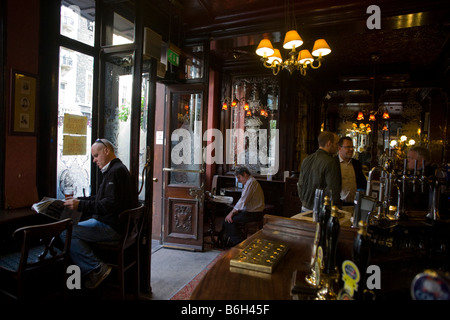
column 173, row 57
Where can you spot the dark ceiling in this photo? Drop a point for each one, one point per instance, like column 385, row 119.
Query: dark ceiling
column 414, row 35
column 410, row 51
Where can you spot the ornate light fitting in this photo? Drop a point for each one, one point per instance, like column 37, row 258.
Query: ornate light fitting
column 256, row 109
column 372, row 114
column 297, row 61
column 271, row 57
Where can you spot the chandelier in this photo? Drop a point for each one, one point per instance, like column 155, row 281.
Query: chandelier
column 271, row 57
column 252, row 107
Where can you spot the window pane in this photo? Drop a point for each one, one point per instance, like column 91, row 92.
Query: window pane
column 186, row 152
column 78, row 20
column 123, row 30
column 194, row 62
column 118, row 90
column 74, row 103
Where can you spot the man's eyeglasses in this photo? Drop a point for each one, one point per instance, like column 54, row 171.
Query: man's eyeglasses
column 348, row 147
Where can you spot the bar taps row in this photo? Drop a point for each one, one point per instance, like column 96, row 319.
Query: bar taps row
column 391, row 182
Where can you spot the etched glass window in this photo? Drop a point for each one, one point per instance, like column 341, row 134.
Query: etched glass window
column 118, row 90
column 186, row 139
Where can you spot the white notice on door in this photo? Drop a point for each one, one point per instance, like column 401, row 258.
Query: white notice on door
column 159, row 137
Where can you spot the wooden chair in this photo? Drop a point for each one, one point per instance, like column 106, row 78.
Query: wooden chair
column 37, row 259
column 124, row 253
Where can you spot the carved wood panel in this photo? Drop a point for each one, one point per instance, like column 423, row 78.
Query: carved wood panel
column 183, row 218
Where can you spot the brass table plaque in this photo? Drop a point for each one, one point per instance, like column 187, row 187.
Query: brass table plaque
column 260, row 255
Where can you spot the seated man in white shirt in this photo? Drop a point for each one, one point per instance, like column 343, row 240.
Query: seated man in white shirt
column 249, row 208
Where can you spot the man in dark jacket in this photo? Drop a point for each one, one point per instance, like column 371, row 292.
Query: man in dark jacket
column 320, row 170
column 117, row 192
column 352, row 177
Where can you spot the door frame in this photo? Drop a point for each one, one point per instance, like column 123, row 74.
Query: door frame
column 182, row 201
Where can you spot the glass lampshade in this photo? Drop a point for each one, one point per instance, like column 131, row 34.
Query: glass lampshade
column 275, row 57
column 305, row 56
column 292, row 40
column 321, row 48
column 265, row 48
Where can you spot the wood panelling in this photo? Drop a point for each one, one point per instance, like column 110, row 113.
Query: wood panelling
column 22, row 53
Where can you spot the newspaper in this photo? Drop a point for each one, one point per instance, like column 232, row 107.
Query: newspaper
column 55, row 209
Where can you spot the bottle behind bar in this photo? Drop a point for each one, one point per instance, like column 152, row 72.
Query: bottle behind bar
column 332, row 234
column 323, row 219
column 361, row 253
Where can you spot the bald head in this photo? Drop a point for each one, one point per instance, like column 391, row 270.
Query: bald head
column 102, row 152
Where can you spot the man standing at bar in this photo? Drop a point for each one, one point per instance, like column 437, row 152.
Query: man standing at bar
column 249, row 208
column 116, row 193
column 352, row 177
column 320, row 170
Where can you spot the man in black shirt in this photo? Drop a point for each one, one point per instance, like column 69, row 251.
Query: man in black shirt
column 117, row 192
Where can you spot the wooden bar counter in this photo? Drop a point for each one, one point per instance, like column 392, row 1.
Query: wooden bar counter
column 225, row 283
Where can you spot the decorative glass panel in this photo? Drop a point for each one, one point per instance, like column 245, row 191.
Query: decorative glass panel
column 186, row 138
column 118, row 90
column 254, row 136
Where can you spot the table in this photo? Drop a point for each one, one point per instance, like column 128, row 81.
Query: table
column 224, row 283
column 233, row 192
column 213, row 209
column 15, row 215
column 12, row 219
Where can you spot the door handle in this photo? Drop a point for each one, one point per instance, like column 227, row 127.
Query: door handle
column 198, row 193
column 183, row 170
column 155, row 179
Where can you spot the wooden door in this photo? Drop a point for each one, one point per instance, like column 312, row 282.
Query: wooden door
column 183, row 174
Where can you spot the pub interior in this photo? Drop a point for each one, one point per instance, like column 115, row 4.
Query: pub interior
column 170, row 82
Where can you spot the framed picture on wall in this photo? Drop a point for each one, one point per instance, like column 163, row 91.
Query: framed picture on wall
column 23, row 103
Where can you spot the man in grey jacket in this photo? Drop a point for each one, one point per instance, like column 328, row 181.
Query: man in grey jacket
column 320, row 170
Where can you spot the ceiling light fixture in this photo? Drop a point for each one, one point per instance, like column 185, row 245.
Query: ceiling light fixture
column 271, row 56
